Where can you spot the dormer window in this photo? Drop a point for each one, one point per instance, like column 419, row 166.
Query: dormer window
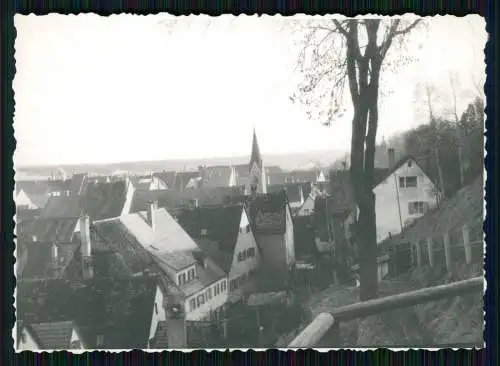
column 410, row 163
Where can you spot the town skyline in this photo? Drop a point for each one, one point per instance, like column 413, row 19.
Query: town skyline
column 154, row 76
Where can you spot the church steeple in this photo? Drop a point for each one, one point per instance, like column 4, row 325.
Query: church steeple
column 255, row 157
column 257, row 179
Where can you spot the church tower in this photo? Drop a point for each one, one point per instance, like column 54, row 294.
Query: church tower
column 257, row 182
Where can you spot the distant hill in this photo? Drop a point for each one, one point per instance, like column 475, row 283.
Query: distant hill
column 307, row 160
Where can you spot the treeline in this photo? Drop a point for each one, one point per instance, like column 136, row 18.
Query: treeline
column 451, row 149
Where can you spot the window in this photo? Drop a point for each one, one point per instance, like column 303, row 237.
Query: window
column 410, row 163
column 241, row 256
column 407, row 182
column 156, row 308
column 191, row 274
column 201, row 299
column 232, row 285
column 182, row 278
column 198, row 303
column 23, row 337
column 418, row 207
column 192, row 304
column 223, row 286
column 248, row 228
column 251, row 252
column 210, row 293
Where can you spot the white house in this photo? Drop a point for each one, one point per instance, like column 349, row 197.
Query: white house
column 404, row 195
column 61, row 335
column 224, row 233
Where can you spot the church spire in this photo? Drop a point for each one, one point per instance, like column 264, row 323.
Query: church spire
column 255, row 157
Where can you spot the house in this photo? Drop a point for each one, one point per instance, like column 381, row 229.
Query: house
column 307, row 207
column 271, row 218
column 403, row 195
column 217, row 176
column 153, row 240
column 117, row 313
column 167, row 179
column 57, row 335
column 296, row 193
column 78, row 184
column 224, row 233
column 187, row 179
column 35, row 194
column 174, row 201
column 151, row 182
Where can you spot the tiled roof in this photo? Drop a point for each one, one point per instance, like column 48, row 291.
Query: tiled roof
column 78, row 183
column 304, row 175
column 40, row 264
column 206, row 277
column 118, row 309
column 63, row 207
column 292, row 190
column 183, row 178
column 216, row 176
column 116, row 236
column 23, row 214
column 173, row 200
column 268, row 213
column 53, row 335
column 177, row 260
column 220, row 222
column 105, row 200
column 160, row 339
column 51, row 230
column 167, row 177
column 211, row 249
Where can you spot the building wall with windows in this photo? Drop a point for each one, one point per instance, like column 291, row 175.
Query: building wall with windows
column 402, row 197
column 246, row 259
column 208, row 301
column 26, row 342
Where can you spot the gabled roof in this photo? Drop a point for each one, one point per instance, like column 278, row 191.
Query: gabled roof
column 183, row 178
column 39, row 262
column 220, row 222
column 216, row 176
column 304, row 175
column 387, row 172
column 78, row 183
column 167, row 177
column 105, row 200
column 51, row 230
column 173, row 200
column 118, row 309
column 268, row 213
column 98, row 200
column 211, row 249
column 292, row 190
column 116, row 236
column 62, row 207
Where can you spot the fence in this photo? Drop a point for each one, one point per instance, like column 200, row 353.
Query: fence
column 324, row 330
column 463, row 245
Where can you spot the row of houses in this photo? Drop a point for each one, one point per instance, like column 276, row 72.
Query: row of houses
column 179, row 263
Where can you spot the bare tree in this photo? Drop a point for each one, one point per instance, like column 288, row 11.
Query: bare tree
column 352, row 51
column 459, row 137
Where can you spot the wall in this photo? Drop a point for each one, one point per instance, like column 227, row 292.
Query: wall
column 157, row 316
column 386, row 199
column 273, row 250
column 244, row 241
column 211, row 305
column 29, row 343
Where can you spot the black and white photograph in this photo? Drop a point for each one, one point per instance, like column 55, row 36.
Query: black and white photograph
column 249, row 182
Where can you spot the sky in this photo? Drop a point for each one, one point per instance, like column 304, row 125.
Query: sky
column 91, row 89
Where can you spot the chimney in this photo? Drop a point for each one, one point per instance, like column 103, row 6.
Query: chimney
column 151, row 214
column 86, row 246
column 391, row 157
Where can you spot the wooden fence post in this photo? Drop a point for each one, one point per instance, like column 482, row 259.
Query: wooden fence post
column 430, row 251
column 447, row 251
column 418, row 249
column 467, row 248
